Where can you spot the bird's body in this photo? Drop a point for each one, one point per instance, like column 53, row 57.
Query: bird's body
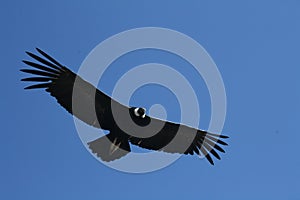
column 125, row 124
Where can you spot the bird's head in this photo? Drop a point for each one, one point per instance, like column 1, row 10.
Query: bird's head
column 139, row 112
column 139, row 117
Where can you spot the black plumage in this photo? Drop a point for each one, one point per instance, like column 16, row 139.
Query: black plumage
column 94, row 107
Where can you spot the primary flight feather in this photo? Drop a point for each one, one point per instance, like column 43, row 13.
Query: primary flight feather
column 94, row 107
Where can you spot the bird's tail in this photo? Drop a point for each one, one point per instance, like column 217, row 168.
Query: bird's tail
column 109, row 147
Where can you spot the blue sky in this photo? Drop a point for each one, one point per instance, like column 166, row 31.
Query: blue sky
column 255, row 46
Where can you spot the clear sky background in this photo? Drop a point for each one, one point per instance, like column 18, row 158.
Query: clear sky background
column 255, row 45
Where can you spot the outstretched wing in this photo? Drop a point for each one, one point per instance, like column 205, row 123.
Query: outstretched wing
column 76, row 95
column 177, row 138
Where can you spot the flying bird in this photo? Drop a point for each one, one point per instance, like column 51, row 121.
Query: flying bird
column 125, row 124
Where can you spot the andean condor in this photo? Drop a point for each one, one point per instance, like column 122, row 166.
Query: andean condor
column 95, row 108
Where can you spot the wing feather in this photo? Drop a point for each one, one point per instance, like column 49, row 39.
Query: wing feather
column 176, row 138
column 76, row 95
